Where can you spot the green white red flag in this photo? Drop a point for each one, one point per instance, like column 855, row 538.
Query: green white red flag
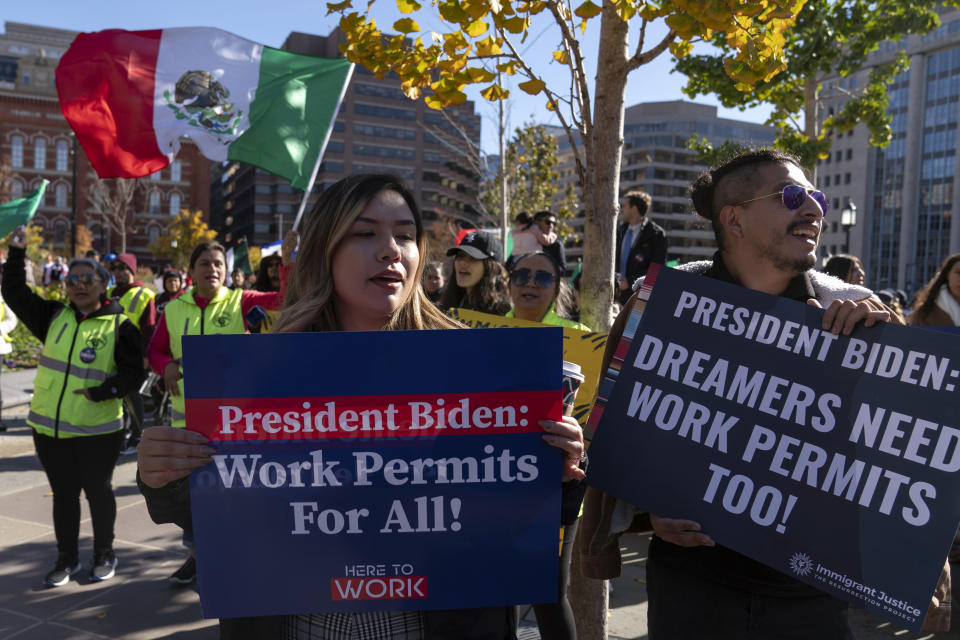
column 130, row 96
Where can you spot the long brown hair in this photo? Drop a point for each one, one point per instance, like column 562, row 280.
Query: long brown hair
column 308, row 305
column 927, row 298
column 490, row 295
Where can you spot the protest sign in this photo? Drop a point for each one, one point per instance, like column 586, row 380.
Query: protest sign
column 582, row 347
column 366, row 471
column 831, row 459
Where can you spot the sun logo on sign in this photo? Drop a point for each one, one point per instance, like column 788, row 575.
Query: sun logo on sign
column 801, row 564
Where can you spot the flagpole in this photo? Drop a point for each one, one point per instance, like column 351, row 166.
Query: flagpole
column 323, row 148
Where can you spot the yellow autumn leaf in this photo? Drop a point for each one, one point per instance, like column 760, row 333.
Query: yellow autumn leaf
column 587, row 10
column 494, row 92
column 560, row 56
column 476, row 28
column 338, row 6
column 407, row 6
column 406, row 25
column 488, row 47
column 533, row 87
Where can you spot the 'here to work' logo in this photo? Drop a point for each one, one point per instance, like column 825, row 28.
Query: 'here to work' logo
column 386, row 588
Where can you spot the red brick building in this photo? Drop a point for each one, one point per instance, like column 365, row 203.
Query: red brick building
column 36, row 143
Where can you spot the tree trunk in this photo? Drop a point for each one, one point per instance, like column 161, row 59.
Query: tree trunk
column 603, row 147
column 811, row 116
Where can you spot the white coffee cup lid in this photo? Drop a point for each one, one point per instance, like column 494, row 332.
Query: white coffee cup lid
column 573, row 370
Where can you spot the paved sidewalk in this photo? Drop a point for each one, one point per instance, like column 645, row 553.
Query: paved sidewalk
column 139, row 604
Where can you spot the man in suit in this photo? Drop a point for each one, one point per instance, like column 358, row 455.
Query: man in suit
column 640, row 242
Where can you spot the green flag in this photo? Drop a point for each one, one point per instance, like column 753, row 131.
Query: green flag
column 18, row 212
column 292, row 115
column 241, row 257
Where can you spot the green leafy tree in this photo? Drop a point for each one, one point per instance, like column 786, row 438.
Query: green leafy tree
column 187, row 230
column 530, row 162
column 830, row 37
column 481, row 46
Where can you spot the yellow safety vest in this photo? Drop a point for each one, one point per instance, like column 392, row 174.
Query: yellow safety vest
column 76, row 355
column 134, row 302
column 223, row 315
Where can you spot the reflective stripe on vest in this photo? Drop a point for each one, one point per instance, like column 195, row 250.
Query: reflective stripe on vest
column 134, row 302
column 76, row 356
column 69, row 428
column 223, row 315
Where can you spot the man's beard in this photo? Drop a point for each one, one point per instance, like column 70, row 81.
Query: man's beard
column 774, row 252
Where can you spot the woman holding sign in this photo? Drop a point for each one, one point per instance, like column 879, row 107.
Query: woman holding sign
column 540, row 295
column 359, row 269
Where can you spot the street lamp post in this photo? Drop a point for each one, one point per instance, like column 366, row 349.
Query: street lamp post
column 848, row 220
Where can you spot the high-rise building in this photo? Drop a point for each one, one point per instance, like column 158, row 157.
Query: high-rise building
column 656, row 159
column 378, row 130
column 905, row 194
column 36, row 143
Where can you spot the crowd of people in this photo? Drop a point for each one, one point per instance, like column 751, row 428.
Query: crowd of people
column 360, row 266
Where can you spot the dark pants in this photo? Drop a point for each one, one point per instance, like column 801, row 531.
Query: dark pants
column 72, row 464
column 686, row 605
column 555, row 619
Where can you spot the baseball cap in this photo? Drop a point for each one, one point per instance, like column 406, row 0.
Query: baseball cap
column 479, row 245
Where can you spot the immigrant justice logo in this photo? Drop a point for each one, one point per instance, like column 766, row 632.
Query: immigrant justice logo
column 801, row 564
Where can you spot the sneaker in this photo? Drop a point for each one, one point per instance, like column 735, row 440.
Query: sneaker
column 187, row 572
column 130, row 448
column 61, row 573
column 104, row 566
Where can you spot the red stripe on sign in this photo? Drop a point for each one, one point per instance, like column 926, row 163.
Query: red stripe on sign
column 392, row 588
column 421, row 415
column 105, row 81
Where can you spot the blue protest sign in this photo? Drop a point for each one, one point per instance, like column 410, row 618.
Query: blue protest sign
column 831, row 459
column 375, row 471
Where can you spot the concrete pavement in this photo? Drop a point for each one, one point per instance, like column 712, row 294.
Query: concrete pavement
column 139, row 604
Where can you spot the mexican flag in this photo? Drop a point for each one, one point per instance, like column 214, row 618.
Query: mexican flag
column 21, row 211
column 130, row 96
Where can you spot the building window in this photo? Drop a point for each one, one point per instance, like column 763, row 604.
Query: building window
column 154, row 206
column 59, row 232
column 62, row 154
column 839, row 156
column 826, row 181
column 174, row 204
column 16, row 152
column 849, row 154
column 153, row 234
column 846, row 178
column 40, row 154
column 155, row 176
column 175, row 171
column 26, row 78
column 16, row 190
column 61, row 196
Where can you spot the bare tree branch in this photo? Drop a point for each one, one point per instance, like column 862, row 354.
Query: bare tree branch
column 640, row 59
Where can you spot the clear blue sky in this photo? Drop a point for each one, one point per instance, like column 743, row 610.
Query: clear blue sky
column 270, row 22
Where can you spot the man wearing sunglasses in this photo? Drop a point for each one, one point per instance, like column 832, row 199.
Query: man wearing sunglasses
column 640, row 242
column 139, row 306
column 767, row 219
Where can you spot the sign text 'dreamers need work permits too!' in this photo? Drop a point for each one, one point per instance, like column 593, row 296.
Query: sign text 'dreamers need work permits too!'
column 374, row 471
column 831, row 459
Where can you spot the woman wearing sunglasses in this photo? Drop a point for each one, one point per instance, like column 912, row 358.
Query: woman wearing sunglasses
column 91, row 359
column 539, row 294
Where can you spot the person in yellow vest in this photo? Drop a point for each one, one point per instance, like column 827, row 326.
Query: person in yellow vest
column 539, row 294
column 138, row 305
column 207, row 308
column 8, row 322
column 91, row 359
